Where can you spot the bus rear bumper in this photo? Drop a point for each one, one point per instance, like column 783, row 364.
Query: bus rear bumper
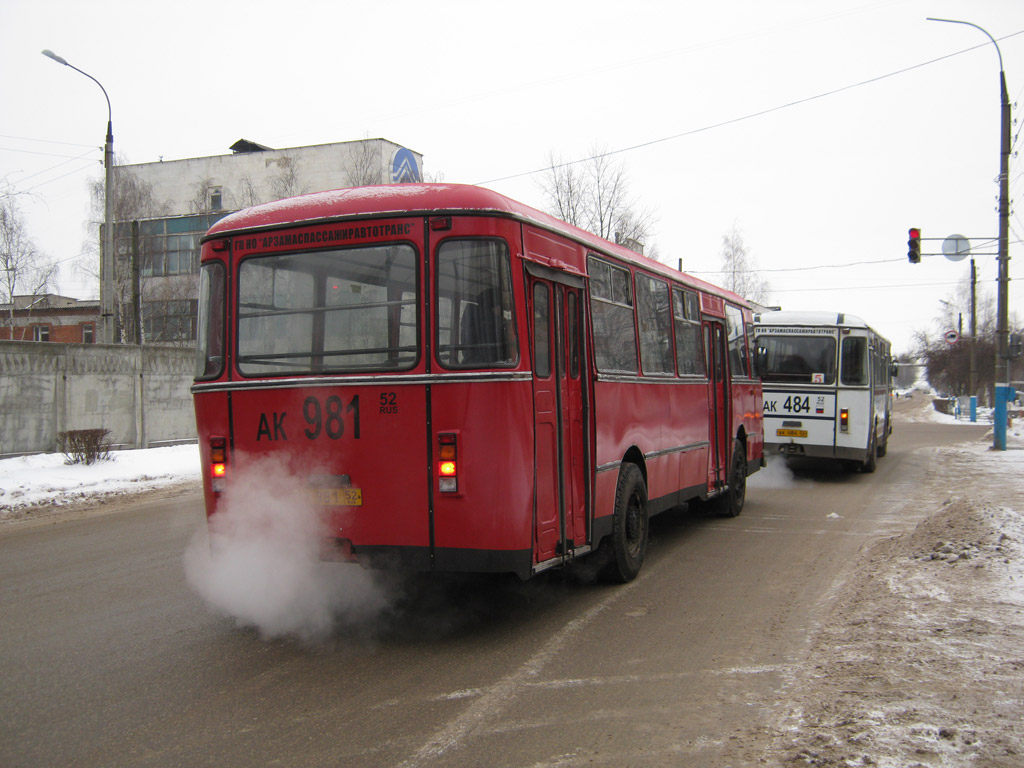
column 816, row 451
column 443, row 560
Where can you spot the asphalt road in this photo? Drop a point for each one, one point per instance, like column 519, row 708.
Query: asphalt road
column 109, row 658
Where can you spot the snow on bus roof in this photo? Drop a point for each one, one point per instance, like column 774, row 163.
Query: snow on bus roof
column 402, row 199
column 793, row 317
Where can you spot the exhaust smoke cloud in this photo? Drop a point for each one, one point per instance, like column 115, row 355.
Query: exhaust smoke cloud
column 258, row 561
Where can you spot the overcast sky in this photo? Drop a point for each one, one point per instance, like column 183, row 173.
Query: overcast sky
column 822, row 130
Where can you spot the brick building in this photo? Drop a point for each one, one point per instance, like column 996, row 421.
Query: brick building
column 49, row 317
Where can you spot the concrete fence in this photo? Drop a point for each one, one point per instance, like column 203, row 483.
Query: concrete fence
column 140, row 394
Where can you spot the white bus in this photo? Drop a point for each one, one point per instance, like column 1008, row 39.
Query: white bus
column 827, row 387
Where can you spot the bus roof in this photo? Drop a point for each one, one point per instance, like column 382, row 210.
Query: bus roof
column 817, row 319
column 809, row 318
column 432, row 199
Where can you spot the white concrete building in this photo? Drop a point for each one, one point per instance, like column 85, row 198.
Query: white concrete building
column 190, row 195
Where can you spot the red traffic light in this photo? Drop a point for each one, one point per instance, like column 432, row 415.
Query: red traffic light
column 914, row 245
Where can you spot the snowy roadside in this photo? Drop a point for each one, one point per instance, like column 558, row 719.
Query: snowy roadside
column 921, row 662
column 42, row 487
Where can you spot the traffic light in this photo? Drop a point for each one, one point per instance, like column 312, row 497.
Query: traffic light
column 914, row 246
column 1016, row 348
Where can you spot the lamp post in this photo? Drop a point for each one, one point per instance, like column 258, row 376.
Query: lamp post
column 107, row 247
column 1002, row 377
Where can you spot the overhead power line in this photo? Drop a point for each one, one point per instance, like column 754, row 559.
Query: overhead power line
column 45, row 154
column 860, row 287
column 749, row 116
column 799, row 269
column 44, row 141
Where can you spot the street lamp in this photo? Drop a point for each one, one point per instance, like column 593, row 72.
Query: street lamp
column 1002, row 382
column 107, row 248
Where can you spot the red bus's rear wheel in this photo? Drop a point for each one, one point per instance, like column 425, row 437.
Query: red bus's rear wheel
column 627, row 545
column 730, row 503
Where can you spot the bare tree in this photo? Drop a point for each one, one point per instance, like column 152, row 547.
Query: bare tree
column 170, row 312
column 248, row 195
column 564, row 187
column 948, row 366
column 364, row 168
column 593, row 194
column 26, row 270
column 956, row 312
column 203, row 192
column 134, row 199
column 739, row 269
column 287, row 182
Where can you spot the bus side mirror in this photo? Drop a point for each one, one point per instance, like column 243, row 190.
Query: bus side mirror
column 894, row 369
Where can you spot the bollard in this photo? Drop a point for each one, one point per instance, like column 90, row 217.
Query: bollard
column 1000, row 418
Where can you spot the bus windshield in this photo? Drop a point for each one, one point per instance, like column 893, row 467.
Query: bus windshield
column 799, row 359
column 352, row 309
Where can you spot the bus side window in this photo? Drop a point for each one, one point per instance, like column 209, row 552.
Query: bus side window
column 655, row 333
column 853, row 364
column 611, row 310
column 737, row 340
column 686, row 313
column 574, row 337
column 210, row 346
column 475, row 319
column 541, row 331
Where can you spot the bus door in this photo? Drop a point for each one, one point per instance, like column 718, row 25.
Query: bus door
column 718, row 416
column 559, row 415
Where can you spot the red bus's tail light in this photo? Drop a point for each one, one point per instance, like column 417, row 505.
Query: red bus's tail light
column 218, row 460
column 844, row 420
column 447, row 465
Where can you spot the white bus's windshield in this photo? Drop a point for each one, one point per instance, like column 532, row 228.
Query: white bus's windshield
column 798, row 359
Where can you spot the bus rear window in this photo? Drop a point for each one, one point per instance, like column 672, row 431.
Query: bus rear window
column 347, row 310
column 799, row 359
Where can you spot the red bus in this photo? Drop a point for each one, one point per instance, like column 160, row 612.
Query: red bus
column 465, row 383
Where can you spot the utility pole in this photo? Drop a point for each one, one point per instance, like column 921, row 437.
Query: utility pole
column 107, row 241
column 973, row 379
column 1002, row 378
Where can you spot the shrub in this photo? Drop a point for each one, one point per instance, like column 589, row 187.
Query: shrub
column 84, row 446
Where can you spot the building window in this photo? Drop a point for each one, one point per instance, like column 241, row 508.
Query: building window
column 216, row 199
column 88, row 333
column 170, row 322
column 167, row 255
column 171, row 246
column 40, row 333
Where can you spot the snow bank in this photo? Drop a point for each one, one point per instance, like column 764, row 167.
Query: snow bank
column 41, row 480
